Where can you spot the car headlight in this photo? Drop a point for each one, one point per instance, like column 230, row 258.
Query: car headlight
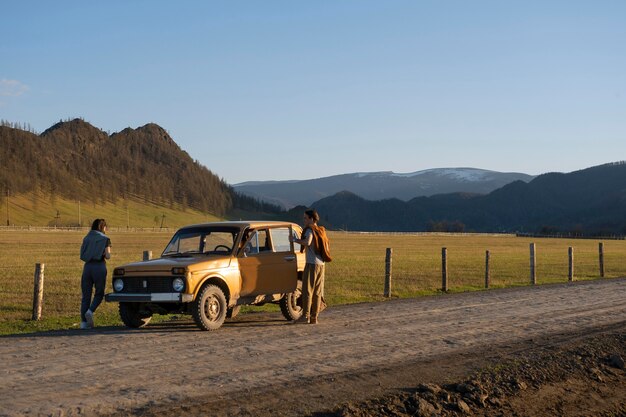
column 178, row 284
column 118, row 285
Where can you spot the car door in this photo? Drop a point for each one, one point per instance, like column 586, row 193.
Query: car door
column 268, row 263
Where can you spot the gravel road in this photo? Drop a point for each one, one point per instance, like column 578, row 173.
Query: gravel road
column 356, row 351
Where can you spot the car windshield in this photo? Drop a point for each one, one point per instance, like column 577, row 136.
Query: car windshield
column 205, row 240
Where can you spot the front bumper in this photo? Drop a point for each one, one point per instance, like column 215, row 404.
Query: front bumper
column 169, row 297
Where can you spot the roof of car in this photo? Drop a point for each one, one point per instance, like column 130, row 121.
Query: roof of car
column 242, row 224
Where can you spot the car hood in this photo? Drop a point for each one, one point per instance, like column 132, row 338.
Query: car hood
column 165, row 265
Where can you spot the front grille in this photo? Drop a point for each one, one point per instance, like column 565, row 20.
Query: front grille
column 147, row 285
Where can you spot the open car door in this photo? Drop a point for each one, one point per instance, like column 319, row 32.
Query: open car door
column 268, row 262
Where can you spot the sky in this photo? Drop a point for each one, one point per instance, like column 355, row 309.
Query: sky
column 277, row 90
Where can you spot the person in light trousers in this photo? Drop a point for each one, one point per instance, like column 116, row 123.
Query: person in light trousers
column 314, row 268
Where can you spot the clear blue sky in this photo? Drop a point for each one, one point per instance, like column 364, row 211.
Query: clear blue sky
column 262, row 90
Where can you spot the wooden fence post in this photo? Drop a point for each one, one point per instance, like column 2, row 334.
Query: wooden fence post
column 533, row 264
column 487, row 272
column 601, row 253
column 444, row 269
column 147, row 255
column 570, row 253
column 38, row 291
column 388, row 260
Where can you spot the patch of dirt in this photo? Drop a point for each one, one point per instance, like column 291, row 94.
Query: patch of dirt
column 573, row 374
column 583, row 379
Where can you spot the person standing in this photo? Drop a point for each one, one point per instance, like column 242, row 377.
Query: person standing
column 314, row 268
column 94, row 251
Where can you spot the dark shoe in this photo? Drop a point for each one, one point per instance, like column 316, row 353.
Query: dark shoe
column 313, row 320
column 301, row 320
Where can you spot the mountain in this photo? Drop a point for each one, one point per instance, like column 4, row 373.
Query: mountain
column 78, row 161
column 381, row 185
column 590, row 201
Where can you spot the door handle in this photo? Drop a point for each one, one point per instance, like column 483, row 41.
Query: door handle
column 290, row 258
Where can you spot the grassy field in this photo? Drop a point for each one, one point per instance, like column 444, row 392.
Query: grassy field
column 355, row 275
column 37, row 209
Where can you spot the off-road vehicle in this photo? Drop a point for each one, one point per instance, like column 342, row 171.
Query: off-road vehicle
column 210, row 270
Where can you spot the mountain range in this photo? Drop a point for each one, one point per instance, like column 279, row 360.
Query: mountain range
column 589, row 201
column 381, row 185
column 79, row 162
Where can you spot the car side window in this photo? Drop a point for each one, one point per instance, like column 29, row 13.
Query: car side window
column 264, row 241
column 258, row 242
column 280, row 239
column 296, row 235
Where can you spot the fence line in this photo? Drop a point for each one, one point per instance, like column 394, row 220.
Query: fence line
column 350, row 232
column 572, row 236
column 82, row 229
column 445, row 276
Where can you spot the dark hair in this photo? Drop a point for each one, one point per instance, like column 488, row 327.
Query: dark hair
column 99, row 225
column 312, row 214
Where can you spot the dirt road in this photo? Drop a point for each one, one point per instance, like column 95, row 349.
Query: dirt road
column 356, row 352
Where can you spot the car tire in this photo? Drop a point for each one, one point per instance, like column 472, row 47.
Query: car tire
column 232, row 312
column 209, row 308
column 133, row 315
column 291, row 304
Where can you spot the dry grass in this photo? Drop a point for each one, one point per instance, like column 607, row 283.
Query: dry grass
column 58, row 250
column 37, row 209
column 358, row 269
column 355, row 275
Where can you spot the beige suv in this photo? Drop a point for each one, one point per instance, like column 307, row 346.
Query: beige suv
column 210, row 270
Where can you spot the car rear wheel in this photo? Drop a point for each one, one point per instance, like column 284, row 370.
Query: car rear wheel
column 291, row 304
column 134, row 314
column 209, row 309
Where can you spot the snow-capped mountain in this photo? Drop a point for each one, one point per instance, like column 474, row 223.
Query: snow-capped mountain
column 381, row 185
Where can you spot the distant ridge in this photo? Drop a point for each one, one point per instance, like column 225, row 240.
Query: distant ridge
column 591, row 201
column 381, row 185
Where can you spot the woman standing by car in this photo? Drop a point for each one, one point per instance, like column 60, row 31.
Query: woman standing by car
column 316, row 247
column 94, row 251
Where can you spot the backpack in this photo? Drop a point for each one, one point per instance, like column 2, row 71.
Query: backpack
column 322, row 245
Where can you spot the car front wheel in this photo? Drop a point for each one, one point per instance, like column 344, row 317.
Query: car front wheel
column 209, row 309
column 291, row 304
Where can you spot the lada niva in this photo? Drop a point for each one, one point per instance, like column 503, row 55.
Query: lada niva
column 210, row 270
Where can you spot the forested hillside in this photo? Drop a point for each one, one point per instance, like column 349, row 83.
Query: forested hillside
column 76, row 160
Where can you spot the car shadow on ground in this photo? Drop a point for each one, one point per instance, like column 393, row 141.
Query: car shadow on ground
column 181, row 325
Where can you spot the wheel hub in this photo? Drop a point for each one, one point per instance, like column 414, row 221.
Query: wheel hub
column 212, row 308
